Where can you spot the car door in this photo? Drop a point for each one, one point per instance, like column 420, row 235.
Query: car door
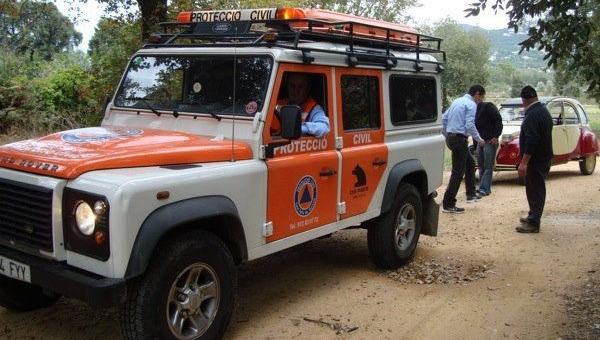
column 302, row 175
column 572, row 126
column 360, row 129
column 559, row 135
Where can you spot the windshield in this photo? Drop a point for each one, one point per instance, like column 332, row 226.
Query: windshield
column 510, row 113
column 221, row 85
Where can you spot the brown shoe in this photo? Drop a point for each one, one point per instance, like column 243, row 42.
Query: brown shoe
column 523, row 220
column 528, row 228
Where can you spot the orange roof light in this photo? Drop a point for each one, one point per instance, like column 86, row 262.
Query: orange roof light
column 290, row 13
column 184, row 17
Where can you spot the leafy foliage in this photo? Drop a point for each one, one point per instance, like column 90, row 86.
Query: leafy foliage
column 110, row 48
column 388, row 10
column 567, row 30
column 30, row 28
column 467, row 56
column 47, row 96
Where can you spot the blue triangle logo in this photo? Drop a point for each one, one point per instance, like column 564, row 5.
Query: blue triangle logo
column 305, row 195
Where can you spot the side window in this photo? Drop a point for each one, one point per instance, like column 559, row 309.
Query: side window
column 412, row 99
column 570, row 115
column 360, row 102
column 291, row 91
column 555, row 109
column 307, row 90
column 582, row 114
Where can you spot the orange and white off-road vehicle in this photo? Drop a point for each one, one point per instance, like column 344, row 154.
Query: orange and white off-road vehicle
column 188, row 176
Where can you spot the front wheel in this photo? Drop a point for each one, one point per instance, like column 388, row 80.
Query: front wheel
column 187, row 293
column 587, row 165
column 393, row 236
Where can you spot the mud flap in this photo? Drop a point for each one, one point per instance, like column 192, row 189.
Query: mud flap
column 431, row 213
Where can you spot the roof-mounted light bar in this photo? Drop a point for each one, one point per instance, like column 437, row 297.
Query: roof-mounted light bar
column 343, row 23
column 228, row 15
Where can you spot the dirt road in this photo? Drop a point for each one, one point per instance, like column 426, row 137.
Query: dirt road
column 478, row 279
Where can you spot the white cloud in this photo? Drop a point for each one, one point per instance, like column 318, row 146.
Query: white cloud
column 87, row 17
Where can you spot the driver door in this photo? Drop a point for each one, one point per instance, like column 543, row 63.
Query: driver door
column 302, row 175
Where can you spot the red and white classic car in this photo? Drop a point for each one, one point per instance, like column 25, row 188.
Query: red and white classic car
column 572, row 137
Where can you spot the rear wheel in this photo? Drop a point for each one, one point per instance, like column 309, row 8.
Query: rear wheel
column 187, row 293
column 587, row 165
column 22, row 297
column 393, row 236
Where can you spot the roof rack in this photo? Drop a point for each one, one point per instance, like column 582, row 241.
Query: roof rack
column 368, row 41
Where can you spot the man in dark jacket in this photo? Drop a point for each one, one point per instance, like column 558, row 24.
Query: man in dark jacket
column 488, row 122
column 535, row 143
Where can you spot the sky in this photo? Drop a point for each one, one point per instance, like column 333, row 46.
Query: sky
column 430, row 12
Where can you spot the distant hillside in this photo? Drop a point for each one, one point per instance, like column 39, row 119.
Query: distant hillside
column 505, row 48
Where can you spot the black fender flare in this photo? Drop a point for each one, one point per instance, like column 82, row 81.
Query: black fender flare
column 398, row 172
column 178, row 214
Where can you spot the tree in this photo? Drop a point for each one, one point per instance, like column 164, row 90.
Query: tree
column 567, row 30
column 110, row 48
column 467, row 56
column 30, row 28
column 388, row 10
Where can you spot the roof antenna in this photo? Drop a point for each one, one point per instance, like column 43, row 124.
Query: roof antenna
column 234, row 94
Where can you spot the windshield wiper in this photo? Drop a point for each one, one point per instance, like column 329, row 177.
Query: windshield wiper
column 214, row 115
column 145, row 101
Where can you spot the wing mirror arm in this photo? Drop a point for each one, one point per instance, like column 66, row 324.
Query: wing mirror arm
column 290, row 117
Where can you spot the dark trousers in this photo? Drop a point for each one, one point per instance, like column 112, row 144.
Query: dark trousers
column 462, row 165
column 535, row 189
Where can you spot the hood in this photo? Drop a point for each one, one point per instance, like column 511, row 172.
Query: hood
column 511, row 128
column 69, row 154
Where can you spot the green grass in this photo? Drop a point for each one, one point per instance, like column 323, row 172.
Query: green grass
column 593, row 112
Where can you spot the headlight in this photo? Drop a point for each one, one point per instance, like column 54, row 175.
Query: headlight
column 86, row 229
column 85, row 218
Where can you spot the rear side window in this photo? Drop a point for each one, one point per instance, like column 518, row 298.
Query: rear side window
column 570, row 115
column 412, row 100
column 360, row 102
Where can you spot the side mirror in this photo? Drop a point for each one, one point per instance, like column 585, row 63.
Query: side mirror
column 291, row 122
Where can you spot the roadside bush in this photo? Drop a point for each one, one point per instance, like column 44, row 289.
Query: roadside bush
column 45, row 97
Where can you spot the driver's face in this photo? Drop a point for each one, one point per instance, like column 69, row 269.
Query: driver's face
column 297, row 89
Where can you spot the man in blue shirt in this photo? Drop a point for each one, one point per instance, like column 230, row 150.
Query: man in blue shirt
column 458, row 122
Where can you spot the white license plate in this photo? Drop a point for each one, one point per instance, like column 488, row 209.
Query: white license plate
column 14, row 269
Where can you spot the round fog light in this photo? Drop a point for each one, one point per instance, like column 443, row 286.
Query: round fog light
column 85, row 218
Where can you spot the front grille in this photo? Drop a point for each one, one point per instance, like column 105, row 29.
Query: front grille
column 26, row 214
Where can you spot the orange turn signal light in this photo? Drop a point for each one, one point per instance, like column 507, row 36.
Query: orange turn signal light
column 100, row 237
column 290, row 13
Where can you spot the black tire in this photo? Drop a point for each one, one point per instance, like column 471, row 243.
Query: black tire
column 22, row 297
column 587, row 165
column 190, row 279
column 393, row 236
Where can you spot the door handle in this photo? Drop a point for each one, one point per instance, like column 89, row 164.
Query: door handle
column 378, row 162
column 327, row 173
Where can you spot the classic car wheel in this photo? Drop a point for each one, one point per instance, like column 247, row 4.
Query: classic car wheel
column 587, row 165
column 22, row 296
column 393, row 236
column 187, row 293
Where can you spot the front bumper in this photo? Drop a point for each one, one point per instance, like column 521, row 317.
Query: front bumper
column 61, row 278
